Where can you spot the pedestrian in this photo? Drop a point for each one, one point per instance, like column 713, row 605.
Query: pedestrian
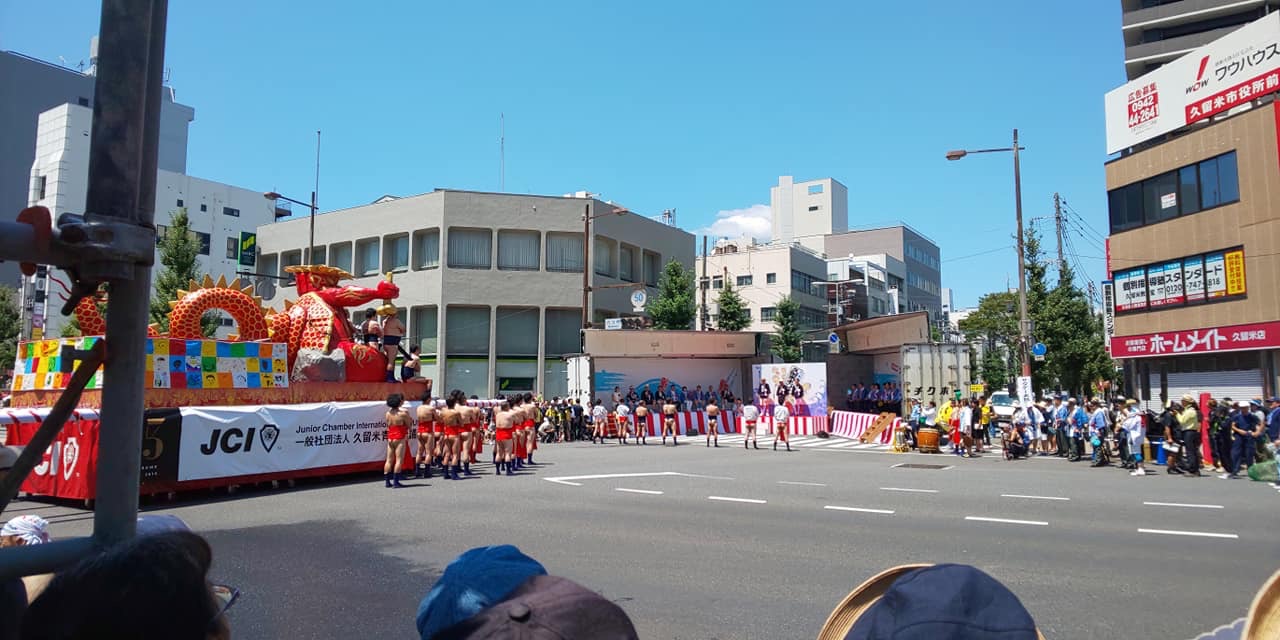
column 965, row 427
column 599, row 416
column 713, row 422
column 930, row 415
column 1273, row 420
column 984, row 420
column 1098, row 426
column 750, row 415
column 1134, row 431
column 576, row 420
column 1189, row 425
column 622, row 422
column 780, row 417
column 1244, row 429
column 1060, row 425
column 398, row 423
column 1077, row 424
column 1218, row 432
column 1119, row 414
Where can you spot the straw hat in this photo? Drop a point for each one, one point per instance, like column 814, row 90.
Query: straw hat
column 1263, row 621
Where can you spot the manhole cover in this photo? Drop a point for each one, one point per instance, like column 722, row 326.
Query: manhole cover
column 906, row 465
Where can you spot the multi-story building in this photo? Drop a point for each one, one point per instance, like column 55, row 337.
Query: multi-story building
column 223, row 217
column 763, row 274
column 805, row 212
column 491, row 284
column 1157, row 31
column 860, row 287
column 1194, row 226
column 31, row 87
column 921, row 286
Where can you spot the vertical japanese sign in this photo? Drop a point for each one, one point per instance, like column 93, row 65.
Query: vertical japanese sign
column 1108, row 312
column 1234, row 262
column 248, row 248
column 1193, row 278
column 1171, row 279
column 1215, row 275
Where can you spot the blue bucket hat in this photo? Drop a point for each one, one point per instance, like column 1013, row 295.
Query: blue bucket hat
column 473, row 582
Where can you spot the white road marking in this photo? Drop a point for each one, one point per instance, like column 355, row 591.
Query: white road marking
column 1200, row 534
column 647, row 492
column 858, row 509
column 568, row 480
column 1015, row 495
column 908, row 490
column 746, row 500
column 1037, row 523
column 1182, row 504
column 895, row 466
column 802, row 484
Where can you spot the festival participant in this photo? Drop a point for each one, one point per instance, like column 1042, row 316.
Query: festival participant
column 469, row 421
column 392, row 333
column 522, row 411
column 780, row 417
column 1134, row 432
column 533, row 416
column 642, row 422
column 669, row 423
column 370, row 330
column 622, row 422
column 750, row 414
column 502, row 438
column 713, row 421
column 598, row 418
column 398, row 423
column 426, row 436
column 452, row 421
column 409, row 370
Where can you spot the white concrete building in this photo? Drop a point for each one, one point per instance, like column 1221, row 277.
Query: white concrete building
column 804, row 212
column 762, row 274
column 866, row 286
column 222, row 216
column 490, row 283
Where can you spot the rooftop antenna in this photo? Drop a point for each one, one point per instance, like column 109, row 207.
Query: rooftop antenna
column 502, row 152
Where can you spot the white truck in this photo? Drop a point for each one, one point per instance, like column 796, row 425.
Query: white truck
column 935, row 371
column 580, row 378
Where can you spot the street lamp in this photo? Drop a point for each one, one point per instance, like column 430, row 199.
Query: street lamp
column 1024, row 326
column 311, row 241
column 587, row 217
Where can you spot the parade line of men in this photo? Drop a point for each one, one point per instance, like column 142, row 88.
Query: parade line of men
column 625, row 427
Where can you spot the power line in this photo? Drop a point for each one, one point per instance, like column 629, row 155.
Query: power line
column 982, row 253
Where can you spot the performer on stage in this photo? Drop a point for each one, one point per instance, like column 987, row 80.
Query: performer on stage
column 452, row 421
column 669, row 423
column 750, row 413
column 370, row 330
column 502, row 438
column 398, row 423
column 622, row 422
column 713, row 421
column 642, row 422
column 426, row 436
column 780, row 417
column 392, row 333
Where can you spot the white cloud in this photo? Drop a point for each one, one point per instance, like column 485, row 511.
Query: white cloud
column 755, row 221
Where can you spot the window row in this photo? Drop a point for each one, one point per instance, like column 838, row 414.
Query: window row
column 467, row 330
column 226, row 211
column 1183, row 191
column 922, row 284
column 517, row 250
column 922, row 256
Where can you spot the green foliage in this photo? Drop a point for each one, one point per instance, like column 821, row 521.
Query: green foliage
column 995, row 325
column 675, row 307
column 10, row 327
column 733, row 312
column 179, row 253
column 787, row 338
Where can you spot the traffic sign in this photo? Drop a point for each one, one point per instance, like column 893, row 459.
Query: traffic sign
column 977, row 388
column 1038, row 349
column 833, row 338
column 612, row 324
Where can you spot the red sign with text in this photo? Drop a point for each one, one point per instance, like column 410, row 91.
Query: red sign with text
column 68, row 468
column 1240, row 337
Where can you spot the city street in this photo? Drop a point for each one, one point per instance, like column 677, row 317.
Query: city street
column 727, row 543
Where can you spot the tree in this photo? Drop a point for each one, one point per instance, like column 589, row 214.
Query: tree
column 10, row 328
column 675, row 307
column 995, row 324
column 179, row 252
column 787, row 337
column 733, row 312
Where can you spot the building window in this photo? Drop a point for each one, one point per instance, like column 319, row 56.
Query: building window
column 179, row 202
column 289, row 259
column 233, row 248
column 426, row 249
column 204, row 240
column 815, row 189
column 771, row 278
column 470, row 248
column 652, row 266
column 340, row 256
column 228, row 211
column 204, row 207
column 317, row 255
column 564, row 252
column 809, row 318
column 82, row 101
column 1183, row 191
column 814, row 207
column 602, row 256
column 367, row 257
column 518, row 250
column 161, row 230
column 744, row 281
column 802, row 282
column 395, row 251
column 717, row 282
column 268, row 265
column 767, row 314
column 626, row 264
column 41, row 187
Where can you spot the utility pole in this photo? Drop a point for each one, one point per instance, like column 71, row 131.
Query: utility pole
column 1057, row 220
column 1024, row 329
column 704, row 284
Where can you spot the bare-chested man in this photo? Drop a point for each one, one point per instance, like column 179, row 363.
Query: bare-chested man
column 426, row 436
column 503, row 436
column 713, row 422
column 642, row 423
column 520, row 410
column 470, row 423
column 533, row 417
column 452, row 421
column 669, row 422
column 398, row 423
column 622, row 421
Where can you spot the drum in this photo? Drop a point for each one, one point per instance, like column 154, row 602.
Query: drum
column 927, row 440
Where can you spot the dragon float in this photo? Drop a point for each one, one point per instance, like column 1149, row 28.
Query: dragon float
column 316, row 326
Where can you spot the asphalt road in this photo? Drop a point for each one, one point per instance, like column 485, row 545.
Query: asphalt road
column 726, row 543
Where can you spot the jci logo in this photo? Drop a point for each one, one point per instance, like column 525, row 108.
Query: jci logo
column 234, row 440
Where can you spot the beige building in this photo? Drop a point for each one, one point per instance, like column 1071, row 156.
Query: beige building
column 1193, row 252
column 805, row 212
column 762, row 274
column 490, row 283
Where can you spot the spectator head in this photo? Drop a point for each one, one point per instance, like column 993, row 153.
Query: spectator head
column 369, row 314
column 24, row 530
column 415, row 349
column 1274, row 402
column 1071, row 402
column 154, row 586
column 1243, row 404
column 426, row 396
column 1188, row 400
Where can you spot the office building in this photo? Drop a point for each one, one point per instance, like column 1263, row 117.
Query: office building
column 1194, row 226
column 1158, row 31
column 223, row 217
column 804, row 212
column 861, row 287
column 490, row 283
column 30, row 87
column 921, row 286
column 763, row 274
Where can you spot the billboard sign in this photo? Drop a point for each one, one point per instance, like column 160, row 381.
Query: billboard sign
column 1240, row 337
column 1226, row 73
column 1108, row 312
column 1210, row 277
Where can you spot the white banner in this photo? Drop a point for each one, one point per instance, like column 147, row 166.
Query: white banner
column 219, row 442
column 810, row 376
column 1026, row 395
column 1226, row 73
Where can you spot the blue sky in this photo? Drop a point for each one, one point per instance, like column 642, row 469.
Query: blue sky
column 697, row 106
